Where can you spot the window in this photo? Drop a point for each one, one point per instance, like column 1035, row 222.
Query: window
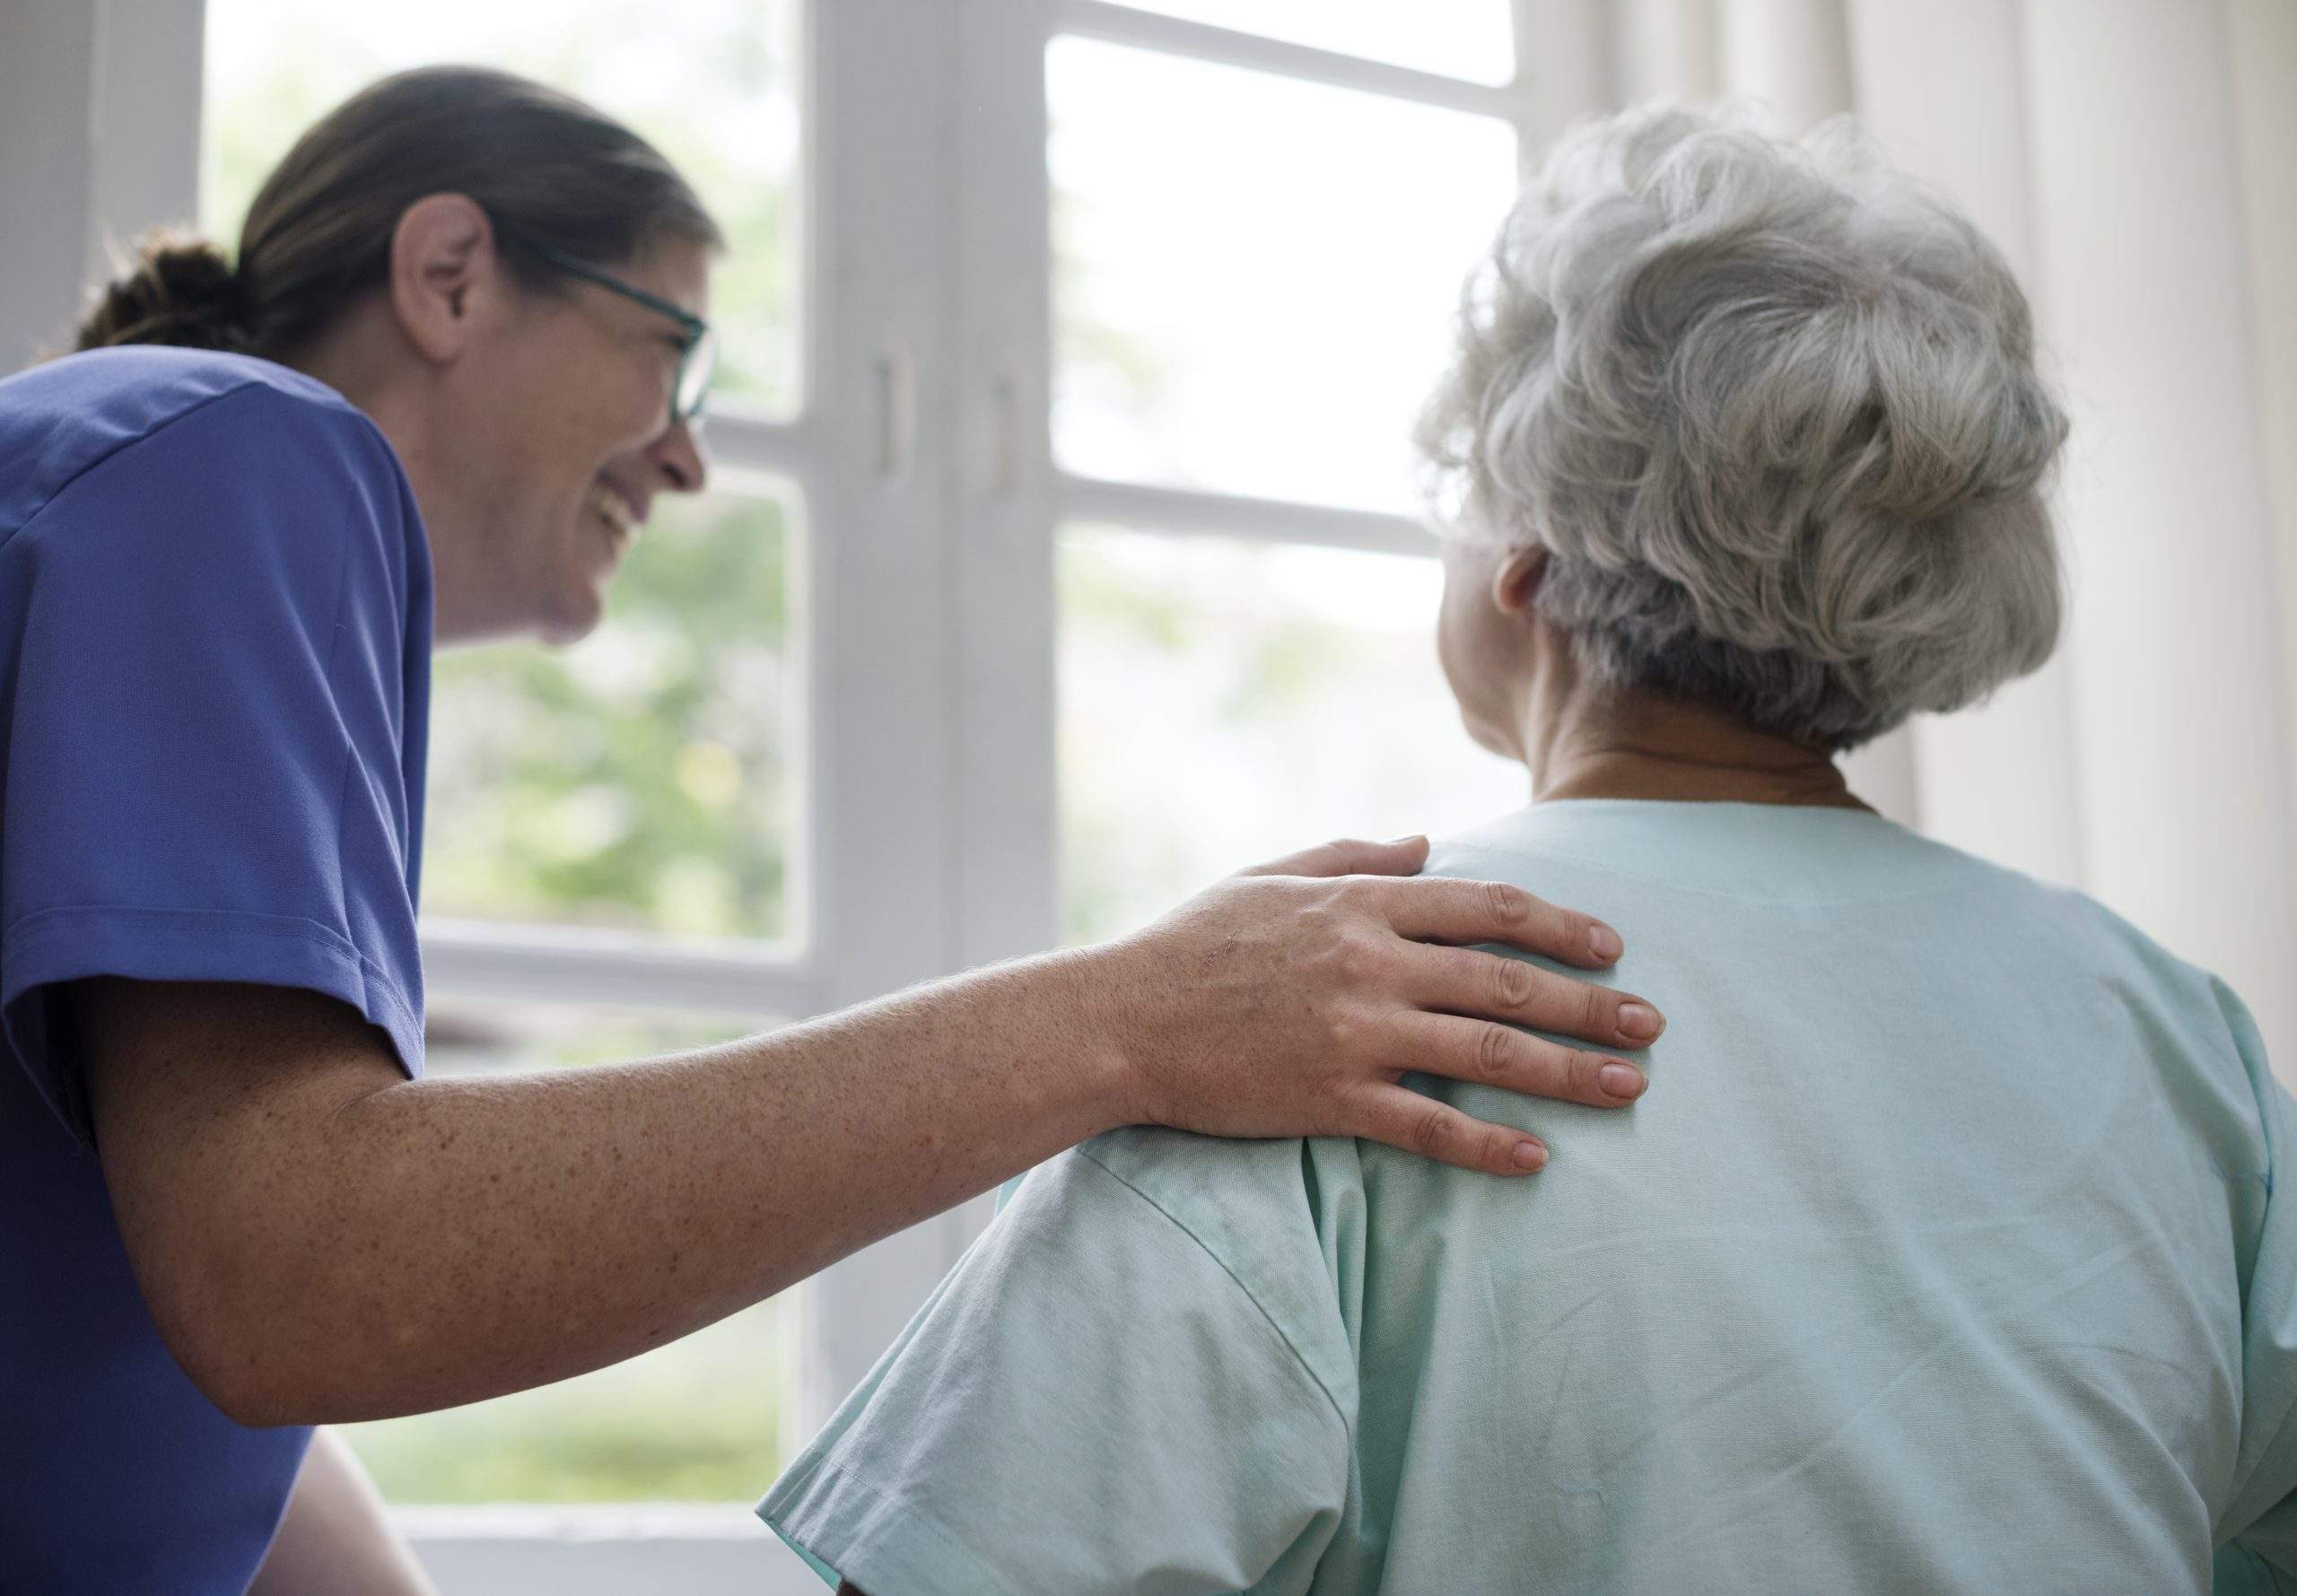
column 642, row 780
column 1059, row 548
column 1249, row 301
column 1252, row 298
column 1459, row 39
column 1225, row 699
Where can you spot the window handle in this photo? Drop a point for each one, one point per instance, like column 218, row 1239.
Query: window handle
column 896, row 400
column 1005, row 437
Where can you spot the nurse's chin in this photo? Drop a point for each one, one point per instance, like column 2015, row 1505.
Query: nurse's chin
column 577, row 612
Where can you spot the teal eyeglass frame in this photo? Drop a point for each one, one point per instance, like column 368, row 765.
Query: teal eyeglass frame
column 697, row 359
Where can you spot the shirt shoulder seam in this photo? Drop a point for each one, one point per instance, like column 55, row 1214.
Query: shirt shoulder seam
column 1346, row 1426
column 246, row 385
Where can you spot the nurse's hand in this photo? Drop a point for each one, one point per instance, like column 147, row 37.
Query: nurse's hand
column 1288, row 999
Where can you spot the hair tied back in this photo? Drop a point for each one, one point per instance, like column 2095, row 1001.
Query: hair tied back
column 178, row 289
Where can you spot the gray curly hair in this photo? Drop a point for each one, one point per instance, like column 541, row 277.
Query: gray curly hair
column 1772, row 410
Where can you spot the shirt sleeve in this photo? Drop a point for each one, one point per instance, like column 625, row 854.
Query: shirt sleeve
column 1091, row 1401
column 2257, row 1533
column 213, row 753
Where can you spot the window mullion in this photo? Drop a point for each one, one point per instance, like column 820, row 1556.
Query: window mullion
column 1003, row 487
column 877, row 575
column 1127, row 24
column 879, row 580
column 1001, row 490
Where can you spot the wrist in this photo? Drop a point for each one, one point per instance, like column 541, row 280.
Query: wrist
column 1099, row 991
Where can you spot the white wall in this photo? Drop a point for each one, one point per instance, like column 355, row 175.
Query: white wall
column 46, row 57
column 2264, row 34
column 95, row 96
column 2175, row 655
column 1943, row 86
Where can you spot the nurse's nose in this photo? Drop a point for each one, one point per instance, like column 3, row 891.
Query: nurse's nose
column 679, row 458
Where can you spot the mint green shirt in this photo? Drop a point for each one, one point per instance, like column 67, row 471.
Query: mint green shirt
column 1942, row 1255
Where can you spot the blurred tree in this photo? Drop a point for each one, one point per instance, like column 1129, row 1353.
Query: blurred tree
column 643, row 778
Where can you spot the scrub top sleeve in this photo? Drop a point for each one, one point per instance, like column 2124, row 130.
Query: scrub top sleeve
column 1090, row 1401
column 214, row 755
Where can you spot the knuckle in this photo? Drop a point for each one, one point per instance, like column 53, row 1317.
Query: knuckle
column 1507, row 905
column 1513, row 983
column 1431, row 1131
column 1576, row 935
column 1495, row 1053
column 1359, row 960
column 1580, row 1073
column 1597, row 1011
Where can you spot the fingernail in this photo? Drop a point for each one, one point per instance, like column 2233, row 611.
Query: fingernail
column 1530, row 1154
column 1604, row 942
column 1403, row 841
column 1636, row 1020
column 1620, row 1080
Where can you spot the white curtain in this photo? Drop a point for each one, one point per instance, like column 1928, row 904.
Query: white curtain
column 2130, row 157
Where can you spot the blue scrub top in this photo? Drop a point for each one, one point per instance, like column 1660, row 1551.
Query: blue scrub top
column 214, row 679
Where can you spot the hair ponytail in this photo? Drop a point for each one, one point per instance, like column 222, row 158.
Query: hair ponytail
column 180, row 291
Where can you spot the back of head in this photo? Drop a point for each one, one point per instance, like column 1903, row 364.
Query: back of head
column 546, row 168
column 1771, row 408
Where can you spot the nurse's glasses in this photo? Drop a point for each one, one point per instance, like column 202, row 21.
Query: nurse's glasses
column 697, row 355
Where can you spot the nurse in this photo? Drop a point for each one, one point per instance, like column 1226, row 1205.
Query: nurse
column 459, row 355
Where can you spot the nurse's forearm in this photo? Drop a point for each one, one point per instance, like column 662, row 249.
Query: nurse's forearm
column 364, row 1245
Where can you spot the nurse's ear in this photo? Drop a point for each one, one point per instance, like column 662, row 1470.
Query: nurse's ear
column 446, row 276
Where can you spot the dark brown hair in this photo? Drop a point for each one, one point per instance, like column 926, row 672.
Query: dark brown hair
column 545, row 168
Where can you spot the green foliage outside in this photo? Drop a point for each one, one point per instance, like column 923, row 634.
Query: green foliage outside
column 698, row 1421
column 643, row 778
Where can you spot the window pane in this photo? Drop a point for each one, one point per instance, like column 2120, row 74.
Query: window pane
column 1223, row 702
column 1466, row 39
column 1255, row 295
column 709, row 83
column 644, row 778
column 695, row 1421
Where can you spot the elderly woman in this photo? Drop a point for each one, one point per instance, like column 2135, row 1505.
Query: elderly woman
column 1962, row 1271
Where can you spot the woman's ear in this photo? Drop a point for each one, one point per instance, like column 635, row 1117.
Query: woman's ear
column 1518, row 581
column 443, row 264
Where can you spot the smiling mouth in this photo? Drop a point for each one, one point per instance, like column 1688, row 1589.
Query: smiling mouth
column 615, row 510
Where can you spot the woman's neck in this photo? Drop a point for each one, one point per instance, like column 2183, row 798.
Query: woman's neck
column 1642, row 745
